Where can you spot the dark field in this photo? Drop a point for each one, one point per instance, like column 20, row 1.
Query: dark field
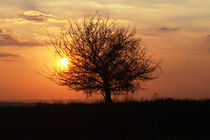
column 163, row 120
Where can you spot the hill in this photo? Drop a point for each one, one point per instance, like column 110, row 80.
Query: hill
column 162, row 119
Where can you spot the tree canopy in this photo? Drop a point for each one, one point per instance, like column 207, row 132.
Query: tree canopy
column 105, row 57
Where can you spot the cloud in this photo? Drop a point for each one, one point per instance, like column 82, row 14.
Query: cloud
column 7, row 39
column 10, row 39
column 35, row 15
column 8, row 55
column 39, row 18
column 169, row 29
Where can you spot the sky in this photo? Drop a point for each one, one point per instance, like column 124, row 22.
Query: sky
column 177, row 32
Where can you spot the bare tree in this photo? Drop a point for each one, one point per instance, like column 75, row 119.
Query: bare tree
column 105, row 58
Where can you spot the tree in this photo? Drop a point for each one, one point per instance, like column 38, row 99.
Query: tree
column 104, row 57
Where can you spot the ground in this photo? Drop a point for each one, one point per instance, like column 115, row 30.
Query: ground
column 162, row 119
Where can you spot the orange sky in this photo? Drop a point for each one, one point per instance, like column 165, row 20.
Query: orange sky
column 177, row 32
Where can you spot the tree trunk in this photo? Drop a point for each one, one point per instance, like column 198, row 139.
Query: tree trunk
column 108, row 99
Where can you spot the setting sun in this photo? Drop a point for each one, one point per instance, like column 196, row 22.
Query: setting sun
column 64, row 62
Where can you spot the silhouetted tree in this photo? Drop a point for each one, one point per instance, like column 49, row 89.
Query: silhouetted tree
column 104, row 57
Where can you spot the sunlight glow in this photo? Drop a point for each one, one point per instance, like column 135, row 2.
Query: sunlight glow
column 64, row 62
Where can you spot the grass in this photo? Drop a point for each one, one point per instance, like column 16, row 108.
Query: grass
column 166, row 119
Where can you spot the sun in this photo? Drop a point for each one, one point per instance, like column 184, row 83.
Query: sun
column 64, row 62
